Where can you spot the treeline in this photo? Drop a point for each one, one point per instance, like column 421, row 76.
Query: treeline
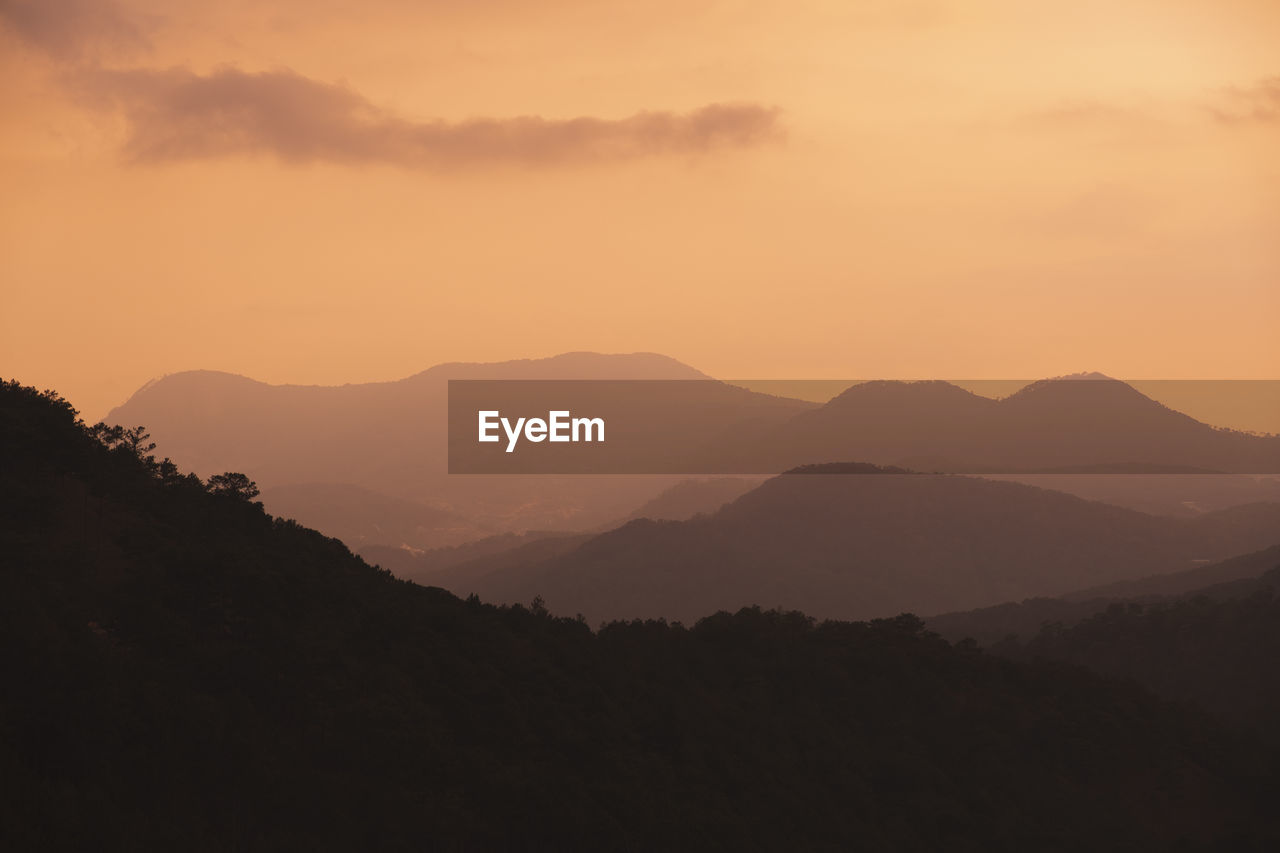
column 183, row 671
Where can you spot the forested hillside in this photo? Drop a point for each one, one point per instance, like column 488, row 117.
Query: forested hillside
column 183, row 671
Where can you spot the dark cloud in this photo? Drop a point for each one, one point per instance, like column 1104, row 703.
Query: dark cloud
column 1257, row 103
column 73, row 30
column 179, row 115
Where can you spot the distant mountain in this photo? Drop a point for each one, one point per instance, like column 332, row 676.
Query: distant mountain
column 1192, row 581
column 184, row 671
column 1160, row 493
column 1085, row 424
column 390, row 438
column 692, row 497
column 860, row 541
column 432, row 566
column 211, row 421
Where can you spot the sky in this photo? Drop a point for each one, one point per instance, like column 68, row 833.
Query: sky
column 330, row 191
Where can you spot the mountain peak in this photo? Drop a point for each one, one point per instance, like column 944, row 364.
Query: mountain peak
column 1091, row 384
column 903, row 389
column 571, row 365
column 1075, row 377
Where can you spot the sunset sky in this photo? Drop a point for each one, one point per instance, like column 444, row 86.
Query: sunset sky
column 329, row 191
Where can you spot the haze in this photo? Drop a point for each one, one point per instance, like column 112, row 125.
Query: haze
column 331, row 192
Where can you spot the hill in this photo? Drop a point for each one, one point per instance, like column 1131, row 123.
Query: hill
column 432, row 566
column 1054, row 425
column 183, row 670
column 389, row 439
column 860, row 541
column 696, row 496
column 1215, row 648
column 1160, row 493
column 1023, row 620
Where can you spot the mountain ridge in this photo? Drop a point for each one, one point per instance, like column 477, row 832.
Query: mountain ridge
column 859, row 546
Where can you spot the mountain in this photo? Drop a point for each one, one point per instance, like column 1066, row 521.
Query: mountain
column 210, row 421
column 1090, row 424
column 1191, row 581
column 859, row 541
column 430, row 566
column 1024, row 619
column 183, row 670
column 1208, row 636
column 389, row 438
column 1215, row 648
column 692, row 497
column 1160, row 493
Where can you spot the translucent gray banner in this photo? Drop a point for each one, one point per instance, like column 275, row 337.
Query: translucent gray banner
column 1076, row 426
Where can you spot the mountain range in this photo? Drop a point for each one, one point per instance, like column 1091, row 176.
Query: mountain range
column 857, row 541
column 388, row 439
column 1087, row 423
column 319, row 450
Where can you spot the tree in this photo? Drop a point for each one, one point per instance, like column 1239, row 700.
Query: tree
column 233, row 485
column 136, row 441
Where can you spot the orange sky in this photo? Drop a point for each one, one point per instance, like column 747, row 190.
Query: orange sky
column 331, row 191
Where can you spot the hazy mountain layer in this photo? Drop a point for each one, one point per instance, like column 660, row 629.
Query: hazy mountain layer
column 849, row 545
column 390, row 438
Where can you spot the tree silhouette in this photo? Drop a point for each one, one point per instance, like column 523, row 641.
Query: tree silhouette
column 139, row 441
column 233, row 485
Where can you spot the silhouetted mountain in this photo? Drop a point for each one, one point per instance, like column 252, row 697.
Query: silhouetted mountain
column 184, row 672
column 859, row 541
column 1023, row 620
column 1089, row 424
column 390, row 437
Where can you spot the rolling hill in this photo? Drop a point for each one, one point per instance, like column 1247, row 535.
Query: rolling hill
column 389, row 439
column 1086, row 423
column 1022, row 620
column 858, row 541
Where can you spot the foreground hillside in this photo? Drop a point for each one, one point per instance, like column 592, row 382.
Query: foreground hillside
column 184, row 672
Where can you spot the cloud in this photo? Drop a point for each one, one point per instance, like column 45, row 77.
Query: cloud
column 1252, row 104
column 176, row 115
column 73, row 30
column 1092, row 115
